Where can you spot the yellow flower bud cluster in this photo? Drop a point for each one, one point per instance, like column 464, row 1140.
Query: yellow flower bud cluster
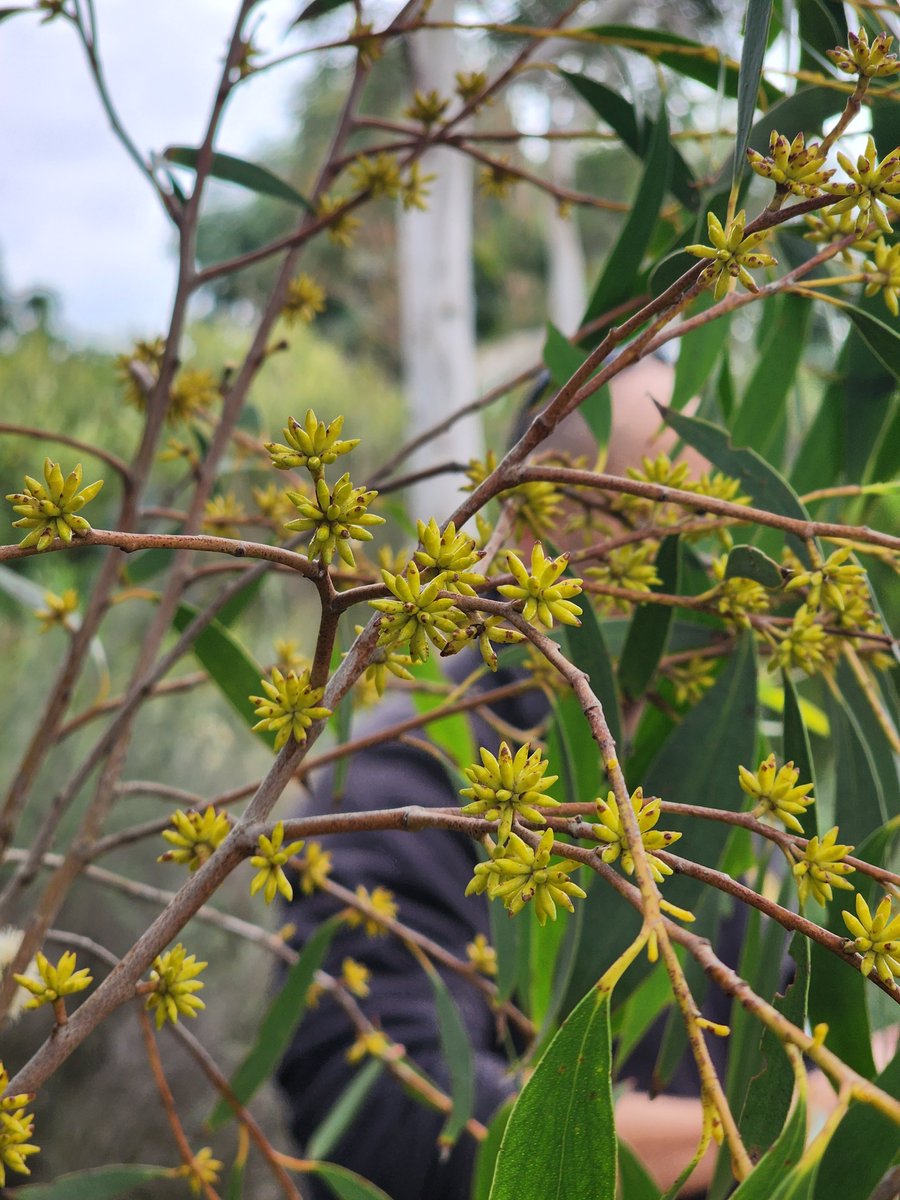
column 804, row 644
column 509, row 786
column 313, row 445
column 737, row 598
column 517, row 874
column 315, row 867
column 610, row 829
column 482, row 955
column 55, row 981
column 427, row 107
column 203, row 1169
column 872, row 188
column 692, row 679
column 355, row 977
column 629, row 566
column 195, row 836
column 59, row 610
column 859, row 58
column 174, row 980
column 304, row 300
column 16, row 1130
column 223, row 514
column 289, row 706
column 336, row 516
column 50, row 509
column 542, row 597
column 194, row 391
column 269, row 860
column 138, row 370
column 792, row 166
column 820, row 867
column 371, row 1042
column 417, row 614
column 828, row 582
column 733, row 255
column 375, row 907
column 776, row 792
column 876, row 936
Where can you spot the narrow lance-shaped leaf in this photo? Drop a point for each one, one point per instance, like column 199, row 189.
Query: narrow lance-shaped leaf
column 245, row 174
column 281, row 1019
column 457, row 1051
column 99, row 1183
column 346, row 1184
column 650, row 625
column 756, row 33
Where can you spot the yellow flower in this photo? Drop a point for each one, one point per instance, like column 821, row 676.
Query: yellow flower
column 792, row 166
column 820, row 867
column 859, row 58
column 381, row 902
column 16, row 1127
column 139, row 370
column 380, row 176
column 872, row 188
column 383, row 661
column 733, row 255
column 50, row 511
column 876, row 938
column 289, row 706
column 305, row 299
column 776, row 792
column 202, row 1169
column 269, row 862
column 58, row 611
column 805, row 644
column 372, row 1041
column 368, row 46
column 509, row 786
column 659, row 470
column 313, row 444
column 829, row 580
column 627, row 567
column 517, row 874
column 174, row 978
column 417, row 615
column 610, row 830
column 883, row 275
column 482, row 955
column 220, row 515
column 737, row 598
column 427, row 107
column 542, row 597
column 342, row 226
column 470, row 84
column 414, row 191
column 55, row 982
column 691, row 680
column 355, row 977
column 195, row 836
column 484, row 630
column 826, row 226
column 314, row 868
column 193, row 391
column 336, row 516
column 496, row 179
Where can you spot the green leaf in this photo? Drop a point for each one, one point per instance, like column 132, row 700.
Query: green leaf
column 281, row 1019
column 797, row 750
column 762, row 1182
column 486, row 1154
column 561, row 1138
column 746, row 562
column 245, row 174
column 561, row 358
column 698, row 355
column 882, row 339
column 769, row 1095
column 99, row 1183
column 765, row 486
column 634, row 1182
column 453, row 733
column 235, row 1188
column 652, row 995
column 227, row 663
column 457, row 1051
column 760, row 420
column 650, row 625
column 337, row 1120
column 318, row 8
column 862, row 1147
column 615, row 110
column 698, row 763
column 756, row 35
column 347, row 1185
column 586, row 645
column 860, row 799
column 623, row 265
column 704, row 63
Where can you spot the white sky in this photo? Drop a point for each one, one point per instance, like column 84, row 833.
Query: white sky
column 75, row 215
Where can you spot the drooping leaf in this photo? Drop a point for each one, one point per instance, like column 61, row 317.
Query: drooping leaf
column 227, row 663
column 640, row 1010
column 561, row 358
column 586, row 645
column 882, row 339
column 753, row 51
column 340, row 1116
column 760, row 418
column 770, row 1170
column 822, row 24
column 704, row 63
column 235, row 1188
column 634, row 1182
column 99, row 1183
column 860, row 798
column 615, row 110
column 623, row 265
column 279, row 1022
column 346, row 1184
column 797, row 750
column 650, row 625
column 769, row 1096
column 573, row 1154
column 457, row 1051
column 746, row 562
column 245, row 174
column 486, row 1154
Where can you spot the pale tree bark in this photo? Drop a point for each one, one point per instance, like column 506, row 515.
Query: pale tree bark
column 437, row 296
